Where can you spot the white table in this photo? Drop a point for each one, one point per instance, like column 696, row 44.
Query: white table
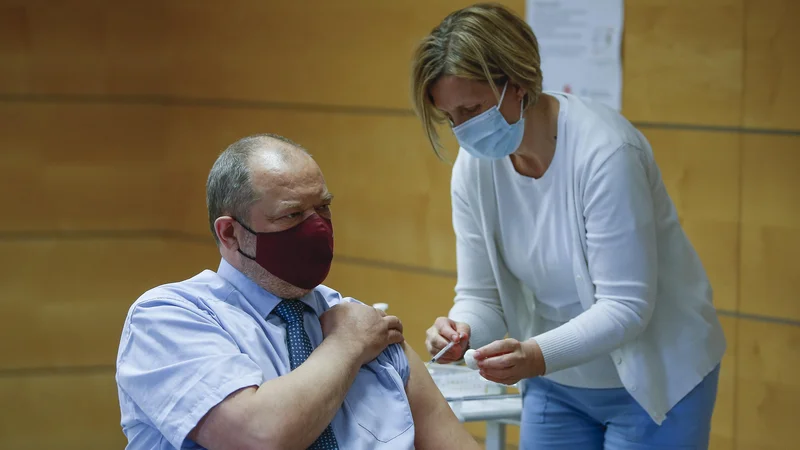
column 497, row 413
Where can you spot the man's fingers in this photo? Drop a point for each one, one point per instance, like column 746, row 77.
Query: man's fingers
column 394, row 323
column 496, row 348
column 395, row 337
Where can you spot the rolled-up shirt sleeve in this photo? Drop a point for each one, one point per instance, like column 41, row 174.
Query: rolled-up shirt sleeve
column 397, row 359
column 393, row 355
column 176, row 362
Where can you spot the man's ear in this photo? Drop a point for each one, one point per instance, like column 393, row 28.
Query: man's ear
column 225, row 227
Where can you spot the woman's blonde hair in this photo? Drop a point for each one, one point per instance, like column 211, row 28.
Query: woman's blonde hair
column 485, row 42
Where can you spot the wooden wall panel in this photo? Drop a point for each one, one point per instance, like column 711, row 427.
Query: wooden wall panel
column 65, row 411
column 245, row 49
column 701, row 173
column 66, row 300
column 69, row 167
column 392, row 193
column 770, row 274
column 768, row 389
column 678, row 68
column 206, row 49
column 772, row 68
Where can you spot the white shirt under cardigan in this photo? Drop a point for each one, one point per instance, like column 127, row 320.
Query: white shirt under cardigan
column 613, row 241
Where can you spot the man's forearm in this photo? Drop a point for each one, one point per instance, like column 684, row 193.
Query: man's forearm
column 287, row 412
column 307, row 399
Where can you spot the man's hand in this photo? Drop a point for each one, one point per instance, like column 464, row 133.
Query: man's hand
column 442, row 333
column 366, row 330
column 507, row 361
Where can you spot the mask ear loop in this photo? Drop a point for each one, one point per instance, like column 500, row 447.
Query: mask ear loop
column 503, row 95
column 521, row 101
column 252, row 258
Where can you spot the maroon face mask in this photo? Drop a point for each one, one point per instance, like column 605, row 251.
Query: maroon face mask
column 300, row 256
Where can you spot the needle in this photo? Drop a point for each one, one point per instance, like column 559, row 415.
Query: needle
column 442, row 352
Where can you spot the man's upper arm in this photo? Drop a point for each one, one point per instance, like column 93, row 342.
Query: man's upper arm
column 176, row 362
column 435, row 424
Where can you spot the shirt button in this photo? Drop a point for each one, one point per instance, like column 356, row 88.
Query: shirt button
column 579, row 278
column 618, row 360
column 633, row 388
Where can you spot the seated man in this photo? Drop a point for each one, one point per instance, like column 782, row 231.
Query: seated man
column 259, row 355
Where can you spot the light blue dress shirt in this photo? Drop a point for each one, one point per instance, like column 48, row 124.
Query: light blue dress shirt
column 186, row 346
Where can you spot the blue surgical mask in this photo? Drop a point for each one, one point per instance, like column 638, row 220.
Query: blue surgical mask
column 488, row 135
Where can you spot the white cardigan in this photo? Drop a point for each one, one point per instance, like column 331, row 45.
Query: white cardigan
column 645, row 294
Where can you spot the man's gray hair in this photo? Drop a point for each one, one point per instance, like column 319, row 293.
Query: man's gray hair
column 229, row 188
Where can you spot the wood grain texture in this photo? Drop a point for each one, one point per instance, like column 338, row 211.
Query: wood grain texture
column 770, row 274
column 64, row 411
column 352, row 52
column 701, row 173
column 64, row 301
column 678, row 68
column 97, row 167
column 768, row 389
column 772, row 64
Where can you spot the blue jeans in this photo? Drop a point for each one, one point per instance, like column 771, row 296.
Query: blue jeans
column 560, row 417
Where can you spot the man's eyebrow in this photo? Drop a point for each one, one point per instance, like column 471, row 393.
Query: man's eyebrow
column 327, row 197
column 288, row 205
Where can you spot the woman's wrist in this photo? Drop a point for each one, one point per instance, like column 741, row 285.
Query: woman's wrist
column 535, row 358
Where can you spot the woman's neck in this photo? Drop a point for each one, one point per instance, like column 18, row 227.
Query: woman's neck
column 538, row 146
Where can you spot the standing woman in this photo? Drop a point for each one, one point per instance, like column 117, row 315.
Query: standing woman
column 567, row 243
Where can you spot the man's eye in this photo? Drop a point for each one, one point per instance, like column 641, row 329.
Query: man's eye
column 293, row 215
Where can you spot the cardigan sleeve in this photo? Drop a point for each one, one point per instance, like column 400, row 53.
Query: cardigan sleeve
column 622, row 262
column 477, row 300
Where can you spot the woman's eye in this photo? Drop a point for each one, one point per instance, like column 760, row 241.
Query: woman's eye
column 473, row 109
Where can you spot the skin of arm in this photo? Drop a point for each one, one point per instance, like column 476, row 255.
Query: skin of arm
column 436, row 426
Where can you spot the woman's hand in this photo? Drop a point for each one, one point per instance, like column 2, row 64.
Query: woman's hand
column 442, row 333
column 507, row 361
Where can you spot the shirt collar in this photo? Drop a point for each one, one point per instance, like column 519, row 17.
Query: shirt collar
column 259, row 298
